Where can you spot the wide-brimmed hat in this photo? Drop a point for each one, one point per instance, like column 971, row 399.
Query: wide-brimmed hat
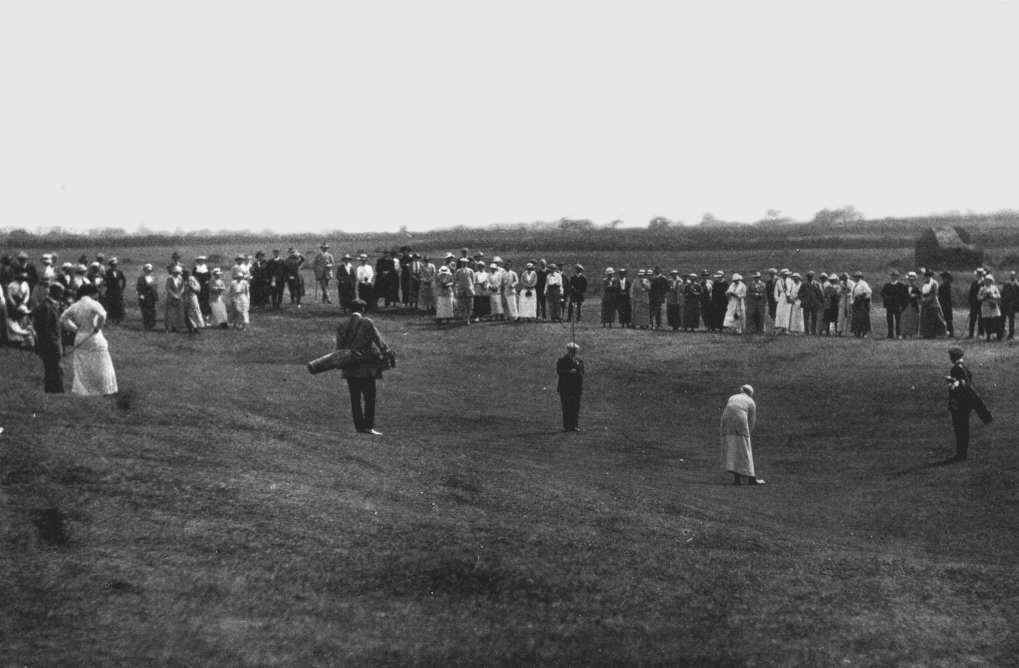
column 757, row 274
column 857, row 274
column 578, row 267
column 444, row 270
column 529, row 265
column 911, row 274
column 737, row 277
column 674, row 271
column 796, row 274
column 609, row 270
column 692, row 275
column 201, row 258
column 217, row 270
column 146, row 267
column 493, row 266
column 784, row 272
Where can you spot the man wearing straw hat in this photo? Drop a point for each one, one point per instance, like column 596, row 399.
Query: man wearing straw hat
column 322, row 266
column 570, row 370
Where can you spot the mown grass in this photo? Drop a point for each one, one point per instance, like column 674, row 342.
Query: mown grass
column 224, row 511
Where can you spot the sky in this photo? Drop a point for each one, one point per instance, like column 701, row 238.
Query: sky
column 363, row 116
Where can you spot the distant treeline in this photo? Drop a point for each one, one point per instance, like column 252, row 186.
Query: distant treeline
column 988, row 230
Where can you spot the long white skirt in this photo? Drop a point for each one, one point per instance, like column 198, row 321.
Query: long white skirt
column 241, row 307
column 782, row 312
column 734, row 315
column 527, row 307
column 495, row 299
column 443, row 307
column 511, row 305
column 92, row 367
column 795, row 318
column 218, row 306
column 737, row 456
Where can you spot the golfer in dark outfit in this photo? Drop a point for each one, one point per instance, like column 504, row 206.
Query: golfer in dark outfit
column 46, row 319
column 571, row 384
column 962, row 399
column 362, row 338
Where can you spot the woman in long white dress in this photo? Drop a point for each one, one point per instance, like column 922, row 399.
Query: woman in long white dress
column 527, row 300
column 495, row 292
column 240, row 298
column 509, row 292
column 792, row 296
column 782, row 305
column 91, row 362
column 736, row 309
column 738, row 419
column 217, row 300
column 444, row 299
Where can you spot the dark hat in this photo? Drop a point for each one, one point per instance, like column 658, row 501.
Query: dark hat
column 358, row 305
column 946, row 274
column 955, row 352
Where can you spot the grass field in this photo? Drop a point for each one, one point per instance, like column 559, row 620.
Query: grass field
column 223, row 510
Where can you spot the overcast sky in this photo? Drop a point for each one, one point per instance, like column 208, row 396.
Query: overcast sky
column 296, row 115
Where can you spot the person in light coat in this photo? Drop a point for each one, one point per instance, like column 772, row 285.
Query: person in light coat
column 782, row 305
column 739, row 418
column 509, row 292
column 736, row 309
column 217, row 300
column 174, row 308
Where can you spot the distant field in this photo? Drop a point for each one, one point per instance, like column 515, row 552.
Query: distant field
column 224, row 512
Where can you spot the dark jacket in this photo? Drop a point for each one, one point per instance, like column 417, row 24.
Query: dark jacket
column 974, row 290
column 1009, row 298
column 362, row 338
column 571, row 375
column 895, row 296
column 659, row 288
column 811, row 295
column 576, row 287
column 46, row 320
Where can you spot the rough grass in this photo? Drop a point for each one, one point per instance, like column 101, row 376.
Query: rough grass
column 224, row 511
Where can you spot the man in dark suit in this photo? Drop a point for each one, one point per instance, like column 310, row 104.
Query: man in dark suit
column 811, row 300
column 360, row 336
column 623, row 298
column 945, row 298
column 659, row 288
column 570, row 369
column 963, row 399
column 895, row 296
column 719, row 300
column 974, row 303
column 576, row 288
column 46, row 320
column 276, row 269
column 1010, row 303
column 345, row 281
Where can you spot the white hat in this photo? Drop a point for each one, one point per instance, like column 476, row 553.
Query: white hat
column 747, row 389
column 572, row 346
column 609, row 270
column 737, row 277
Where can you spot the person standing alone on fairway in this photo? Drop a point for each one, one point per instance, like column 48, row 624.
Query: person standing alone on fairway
column 570, row 369
column 962, row 399
column 739, row 417
column 360, row 336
